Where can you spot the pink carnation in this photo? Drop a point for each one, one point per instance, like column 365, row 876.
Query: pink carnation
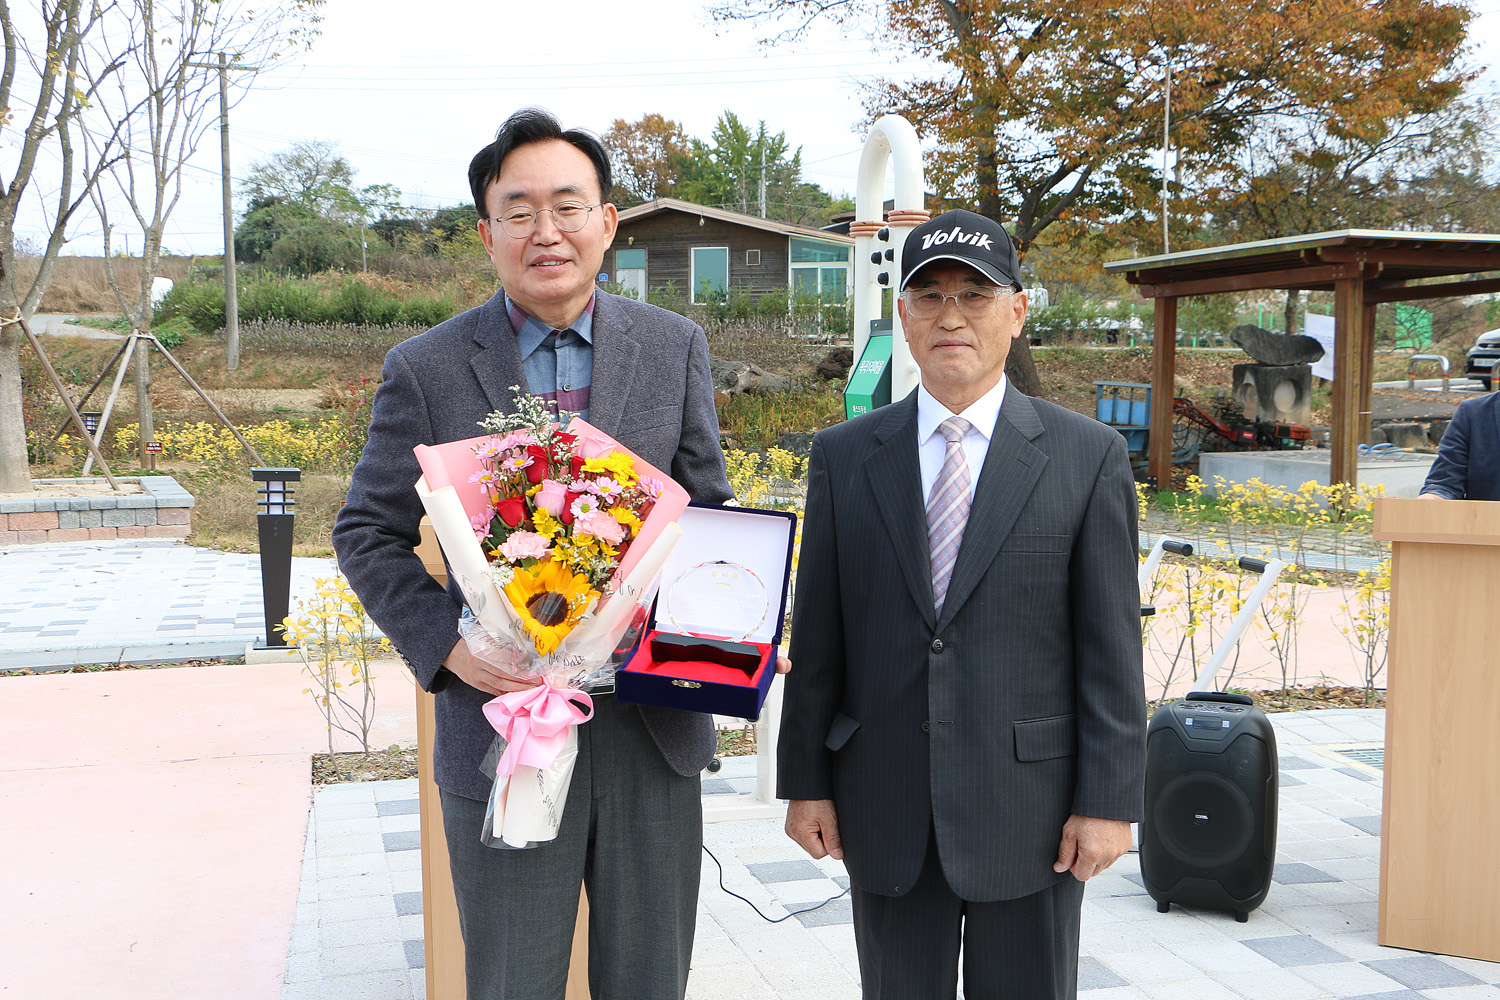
column 525, row 545
column 601, row 526
column 481, row 525
column 552, row 497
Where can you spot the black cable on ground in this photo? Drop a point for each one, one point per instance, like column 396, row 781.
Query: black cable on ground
column 769, row 920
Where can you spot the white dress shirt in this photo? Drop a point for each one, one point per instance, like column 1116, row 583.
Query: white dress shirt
column 932, row 447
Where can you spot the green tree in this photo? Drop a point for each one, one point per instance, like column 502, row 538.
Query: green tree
column 306, row 215
column 730, row 170
column 308, row 173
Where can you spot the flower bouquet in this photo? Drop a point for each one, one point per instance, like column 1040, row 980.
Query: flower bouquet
column 556, row 539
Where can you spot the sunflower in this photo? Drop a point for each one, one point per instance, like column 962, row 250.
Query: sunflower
column 550, row 599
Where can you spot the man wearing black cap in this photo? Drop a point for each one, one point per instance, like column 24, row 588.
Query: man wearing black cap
column 966, row 725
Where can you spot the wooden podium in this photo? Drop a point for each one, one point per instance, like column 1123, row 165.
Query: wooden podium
column 444, row 940
column 1439, row 870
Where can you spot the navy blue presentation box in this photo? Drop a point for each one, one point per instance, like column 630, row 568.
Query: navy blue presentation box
column 727, row 576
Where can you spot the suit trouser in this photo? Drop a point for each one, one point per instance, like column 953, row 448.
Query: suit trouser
column 1013, row 949
column 632, row 831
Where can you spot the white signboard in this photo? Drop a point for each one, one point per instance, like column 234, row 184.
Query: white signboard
column 1320, row 328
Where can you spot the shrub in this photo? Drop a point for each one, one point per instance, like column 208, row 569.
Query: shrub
column 343, row 299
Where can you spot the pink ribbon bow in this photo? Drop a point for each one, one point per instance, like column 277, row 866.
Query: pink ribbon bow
column 534, row 723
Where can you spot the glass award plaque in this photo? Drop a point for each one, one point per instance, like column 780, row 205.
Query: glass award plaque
column 717, row 598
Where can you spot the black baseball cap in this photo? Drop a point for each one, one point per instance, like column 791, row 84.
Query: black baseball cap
column 966, row 237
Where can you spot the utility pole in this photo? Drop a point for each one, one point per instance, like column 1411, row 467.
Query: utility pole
column 231, row 291
column 1166, row 150
column 762, row 174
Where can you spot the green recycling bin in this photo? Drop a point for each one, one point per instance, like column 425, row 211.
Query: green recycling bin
column 870, row 383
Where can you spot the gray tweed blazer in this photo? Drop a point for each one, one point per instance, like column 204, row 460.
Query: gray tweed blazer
column 651, row 390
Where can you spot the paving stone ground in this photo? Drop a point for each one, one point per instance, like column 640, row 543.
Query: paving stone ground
column 359, row 926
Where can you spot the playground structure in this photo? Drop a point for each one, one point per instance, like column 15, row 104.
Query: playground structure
column 883, row 368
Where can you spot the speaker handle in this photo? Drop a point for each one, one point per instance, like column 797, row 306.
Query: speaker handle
column 1220, row 696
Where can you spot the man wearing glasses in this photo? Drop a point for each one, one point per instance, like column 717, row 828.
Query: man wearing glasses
column 632, row 824
column 965, row 728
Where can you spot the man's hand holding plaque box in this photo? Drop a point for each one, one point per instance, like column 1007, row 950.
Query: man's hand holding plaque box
column 719, row 613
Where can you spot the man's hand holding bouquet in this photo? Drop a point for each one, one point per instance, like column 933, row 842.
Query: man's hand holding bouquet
column 556, row 538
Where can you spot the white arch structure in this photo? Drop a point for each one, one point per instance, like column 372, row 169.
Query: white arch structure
column 892, row 142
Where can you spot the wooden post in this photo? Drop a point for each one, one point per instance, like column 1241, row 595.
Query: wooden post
column 1367, row 372
column 1348, row 318
column 1163, row 388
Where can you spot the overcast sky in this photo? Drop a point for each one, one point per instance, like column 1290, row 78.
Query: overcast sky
column 408, row 92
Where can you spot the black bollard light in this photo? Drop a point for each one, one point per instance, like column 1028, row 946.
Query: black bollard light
column 91, row 420
column 275, row 517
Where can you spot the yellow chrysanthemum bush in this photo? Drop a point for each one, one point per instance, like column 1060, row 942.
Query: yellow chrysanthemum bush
column 338, row 641
column 1369, row 611
column 776, row 480
column 1280, row 523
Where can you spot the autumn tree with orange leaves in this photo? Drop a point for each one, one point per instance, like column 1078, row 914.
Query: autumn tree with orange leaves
column 646, row 156
column 1048, row 116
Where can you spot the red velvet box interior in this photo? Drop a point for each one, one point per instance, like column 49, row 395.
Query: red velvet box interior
column 698, row 670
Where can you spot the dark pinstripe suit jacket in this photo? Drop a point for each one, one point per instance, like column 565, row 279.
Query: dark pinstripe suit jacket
column 1023, row 704
column 651, row 391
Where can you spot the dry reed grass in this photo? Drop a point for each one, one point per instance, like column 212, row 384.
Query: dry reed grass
column 224, row 513
column 81, row 284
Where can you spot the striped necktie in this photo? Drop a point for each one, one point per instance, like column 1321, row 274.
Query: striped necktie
column 948, row 509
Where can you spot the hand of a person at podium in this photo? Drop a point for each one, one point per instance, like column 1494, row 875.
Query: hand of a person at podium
column 1431, row 496
column 483, row 675
column 783, row 665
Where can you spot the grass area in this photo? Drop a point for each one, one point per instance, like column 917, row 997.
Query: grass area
column 754, row 421
column 224, row 516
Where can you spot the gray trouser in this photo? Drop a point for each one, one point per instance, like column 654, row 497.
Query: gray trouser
column 632, row 832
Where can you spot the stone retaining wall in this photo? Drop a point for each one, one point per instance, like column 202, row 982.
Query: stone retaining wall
column 164, row 510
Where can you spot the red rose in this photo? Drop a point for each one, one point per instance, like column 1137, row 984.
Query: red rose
column 537, row 470
column 566, row 517
column 576, row 466
column 562, row 443
column 512, row 510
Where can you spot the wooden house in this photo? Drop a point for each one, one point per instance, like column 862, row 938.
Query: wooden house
column 705, row 252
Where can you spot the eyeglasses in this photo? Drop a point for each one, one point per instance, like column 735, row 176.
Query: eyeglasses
column 925, row 303
column 569, row 217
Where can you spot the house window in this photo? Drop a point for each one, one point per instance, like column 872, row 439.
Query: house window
column 710, row 277
column 819, row 268
column 752, row 258
column 630, row 272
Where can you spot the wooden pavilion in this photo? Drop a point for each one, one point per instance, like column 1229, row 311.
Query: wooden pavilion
column 1362, row 267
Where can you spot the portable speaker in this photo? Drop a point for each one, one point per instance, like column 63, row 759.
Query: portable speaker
column 1208, row 833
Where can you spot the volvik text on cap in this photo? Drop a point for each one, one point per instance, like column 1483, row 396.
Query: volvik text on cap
column 965, row 237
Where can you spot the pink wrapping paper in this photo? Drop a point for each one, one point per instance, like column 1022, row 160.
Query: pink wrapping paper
column 451, row 465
